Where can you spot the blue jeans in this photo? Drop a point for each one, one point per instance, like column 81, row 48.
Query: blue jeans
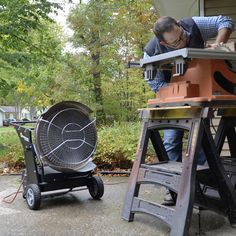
column 173, row 143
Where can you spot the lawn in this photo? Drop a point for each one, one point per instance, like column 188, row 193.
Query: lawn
column 8, row 135
column 10, row 147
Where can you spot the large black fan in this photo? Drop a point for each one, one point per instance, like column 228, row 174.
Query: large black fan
column 65, row 136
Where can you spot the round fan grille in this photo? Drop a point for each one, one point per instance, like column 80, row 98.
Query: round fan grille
column 65, row 136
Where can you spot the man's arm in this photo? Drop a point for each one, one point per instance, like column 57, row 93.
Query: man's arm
column 158, row 81
column 219, row 27
column 223, row 35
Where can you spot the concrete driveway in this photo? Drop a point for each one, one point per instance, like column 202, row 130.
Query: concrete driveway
column 76, row 213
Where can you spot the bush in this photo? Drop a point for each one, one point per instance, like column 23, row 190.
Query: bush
column 11, row 151
column 14, row 156
column 117, row 144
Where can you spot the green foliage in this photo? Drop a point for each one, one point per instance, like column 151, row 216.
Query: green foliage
column 13, row 156
column 34, row 71
column 112, row 33
column 11, row 151
column 117, row 144
column 8, row 135
column 19, row 18
column 116, row 147
column 124, row 96
column 31, row 46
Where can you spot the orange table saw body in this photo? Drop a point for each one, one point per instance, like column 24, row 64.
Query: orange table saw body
column 204, row 80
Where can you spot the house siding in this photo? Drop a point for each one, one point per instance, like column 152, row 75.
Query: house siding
column 226, row 7
column 1, row 118
column 177, row 8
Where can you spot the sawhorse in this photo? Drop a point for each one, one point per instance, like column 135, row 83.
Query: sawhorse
column 207, row 186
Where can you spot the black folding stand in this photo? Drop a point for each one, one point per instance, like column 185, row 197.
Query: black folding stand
column 211, row 186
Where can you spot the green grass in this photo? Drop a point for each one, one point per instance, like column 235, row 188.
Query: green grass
column 11, row 150
column 8, row 135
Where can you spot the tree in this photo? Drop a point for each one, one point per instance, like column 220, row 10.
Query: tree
column 18, row 19
column 29, row 39
column 108, row 35
column 111, row 33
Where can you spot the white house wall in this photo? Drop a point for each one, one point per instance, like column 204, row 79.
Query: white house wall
column 1, row 119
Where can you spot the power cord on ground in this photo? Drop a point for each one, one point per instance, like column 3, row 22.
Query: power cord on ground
column 14, row 193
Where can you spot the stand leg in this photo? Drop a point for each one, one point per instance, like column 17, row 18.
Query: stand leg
column 225, row 187
column 158, row 145
column 226, row 128
column 133, row 186
column 186, row 193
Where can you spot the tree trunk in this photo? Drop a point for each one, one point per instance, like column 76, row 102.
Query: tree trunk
column 100, row 114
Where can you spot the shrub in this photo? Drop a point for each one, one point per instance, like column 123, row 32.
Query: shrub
column 116, row 147
column 14, row 156
column 11, row 151
column 117, row 144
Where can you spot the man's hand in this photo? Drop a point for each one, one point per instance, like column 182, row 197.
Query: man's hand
column 218, row 46
column 221, row 39
column 214, row 45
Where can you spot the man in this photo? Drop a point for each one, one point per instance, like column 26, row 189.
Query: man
column 172, row 35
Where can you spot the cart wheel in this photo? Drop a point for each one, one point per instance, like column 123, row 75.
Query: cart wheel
column 96, row 187
column 33, row 196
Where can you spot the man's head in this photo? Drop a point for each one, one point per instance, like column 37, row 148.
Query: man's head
column 170, row 33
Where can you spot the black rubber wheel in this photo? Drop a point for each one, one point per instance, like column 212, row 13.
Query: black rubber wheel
column 33, row 196
column 96, row 187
